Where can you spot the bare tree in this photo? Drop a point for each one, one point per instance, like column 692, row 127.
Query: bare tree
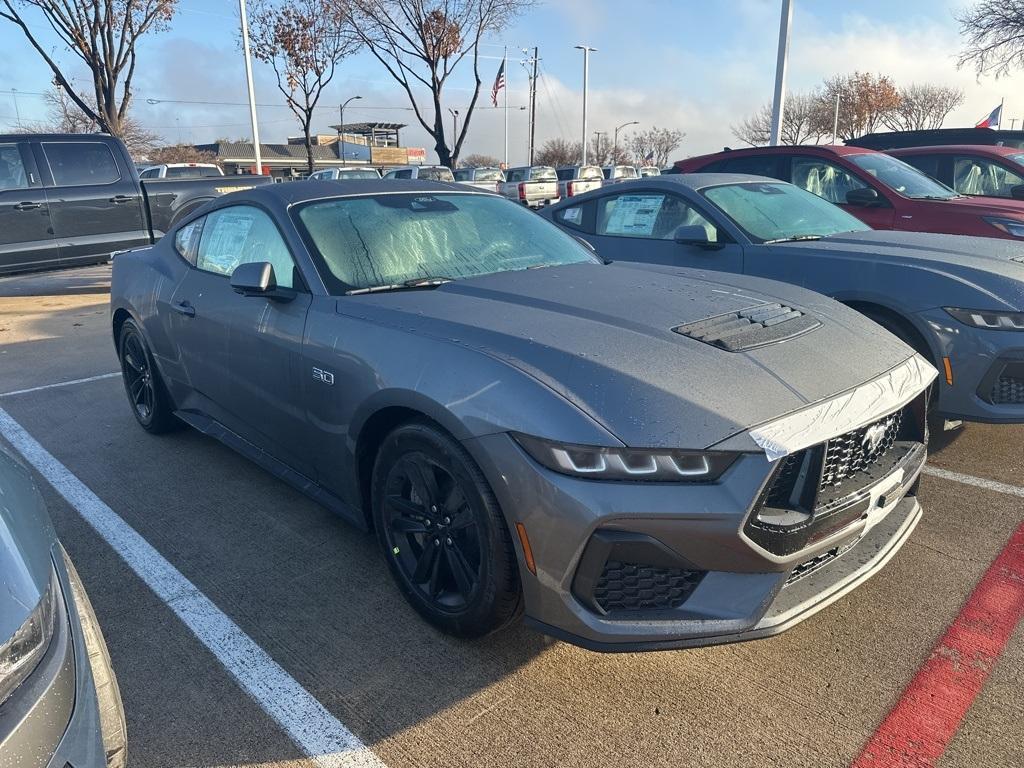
column 602, row 151
column 303, row 40
column 64, row 116
column 993, row 33
column 865, row 100
column 801, row 122
column 103, row 34
column 559, row 152
column 422, row 42
column 181, row 153
column 923, row 106
column 479, row 161
column 656, row 144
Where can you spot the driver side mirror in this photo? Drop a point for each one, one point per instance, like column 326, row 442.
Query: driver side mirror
column 865, row 197
column 1017, row 192
column 258, row 279
column 696, row 235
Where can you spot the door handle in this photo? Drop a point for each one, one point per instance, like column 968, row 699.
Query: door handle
column 184, row 308
column 27, row 206
column 118, row 199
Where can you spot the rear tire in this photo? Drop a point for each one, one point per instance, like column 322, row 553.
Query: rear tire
column 443, row 534
column 146, row 392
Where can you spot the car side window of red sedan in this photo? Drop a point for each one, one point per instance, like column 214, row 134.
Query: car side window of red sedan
column 974, row 175
column 824, row 179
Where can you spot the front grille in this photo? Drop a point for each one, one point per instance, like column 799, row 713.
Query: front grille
column 1008, row 390
column 856, row 451
column 634, row 586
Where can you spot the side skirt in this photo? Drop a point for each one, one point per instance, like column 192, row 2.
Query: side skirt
column 279, row 469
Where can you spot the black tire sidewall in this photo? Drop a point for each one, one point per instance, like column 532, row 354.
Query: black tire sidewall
column 161, row 417
column 498, row 597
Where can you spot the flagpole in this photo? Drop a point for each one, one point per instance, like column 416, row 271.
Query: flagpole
column 1000, row 123
column 504, row 68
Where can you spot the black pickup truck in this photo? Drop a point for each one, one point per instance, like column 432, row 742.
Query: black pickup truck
column 70, row 199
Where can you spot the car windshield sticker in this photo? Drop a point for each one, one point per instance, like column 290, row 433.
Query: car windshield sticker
column 634, row 215
column 227, row 240
column 572, row 215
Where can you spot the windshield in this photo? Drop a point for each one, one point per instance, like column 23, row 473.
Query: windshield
column 543, row 174
column 193, row 172
column 488, row 174
column 363, row 174
column 435, row 174
column 780, row 211
column 360, row 242
column 1018, row 158
column 902, row 178
column 625, row 172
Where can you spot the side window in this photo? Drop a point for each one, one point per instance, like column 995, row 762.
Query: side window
column 928, row 164
column 242, row 234
column 464, row 174
column 975, row 175
column 516, row 175
column 650, row 216
column 12, row 169
column 757, row 165
column 151, row 173
column 81, row 163
column 824, row 179
column 186, row 241
column 406, row 174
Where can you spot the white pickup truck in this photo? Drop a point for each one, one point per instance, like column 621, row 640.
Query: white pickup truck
column 532, row 185
column 576, row 179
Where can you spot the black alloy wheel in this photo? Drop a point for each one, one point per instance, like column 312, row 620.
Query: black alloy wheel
column 446, row 541
column 149, row 400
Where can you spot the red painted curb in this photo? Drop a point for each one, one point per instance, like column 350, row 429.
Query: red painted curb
column 920, row 726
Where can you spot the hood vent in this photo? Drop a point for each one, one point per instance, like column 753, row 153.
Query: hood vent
column 750, row 328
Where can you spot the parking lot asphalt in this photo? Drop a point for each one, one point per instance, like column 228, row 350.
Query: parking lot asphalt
column 315, row 596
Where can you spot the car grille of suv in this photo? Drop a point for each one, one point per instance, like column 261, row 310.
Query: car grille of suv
column 1008, row 390
column 634, row 586
column 821, row 489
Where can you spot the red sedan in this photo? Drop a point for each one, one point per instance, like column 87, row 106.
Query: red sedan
column 880, row 190
column 975, row 170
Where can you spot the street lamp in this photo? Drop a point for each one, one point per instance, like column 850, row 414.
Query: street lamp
column 341, row 127
column 455, row 125
column 615, row 144
column 597, row 144
column 586, row 72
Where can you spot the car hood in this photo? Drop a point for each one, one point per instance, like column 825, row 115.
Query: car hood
column 602, row 337
column 26, row 542
column 982, row 205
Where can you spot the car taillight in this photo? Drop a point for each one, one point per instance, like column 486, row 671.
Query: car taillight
column 571, row 187
column 522, row 191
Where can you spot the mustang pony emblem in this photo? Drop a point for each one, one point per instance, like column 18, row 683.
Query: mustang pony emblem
column 874, row 435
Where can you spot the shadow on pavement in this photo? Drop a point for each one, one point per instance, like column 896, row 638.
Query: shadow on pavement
column 65, row 282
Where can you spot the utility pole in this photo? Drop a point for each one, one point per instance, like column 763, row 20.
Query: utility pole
column 586, row 73
column 835, row 121
column 533, row 103
column 779, row 105
column 455, row 126
column 252, row 90
column 597, row 147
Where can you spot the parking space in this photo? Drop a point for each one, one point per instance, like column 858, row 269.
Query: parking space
column 313, row 595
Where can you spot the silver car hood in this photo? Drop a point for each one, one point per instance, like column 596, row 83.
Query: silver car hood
column 602, row 337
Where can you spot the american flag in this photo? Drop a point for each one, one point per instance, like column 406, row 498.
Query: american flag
column 499, row 83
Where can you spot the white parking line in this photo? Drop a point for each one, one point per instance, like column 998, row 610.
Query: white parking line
column 320, row 735
column 977, row 482
column 61, row 384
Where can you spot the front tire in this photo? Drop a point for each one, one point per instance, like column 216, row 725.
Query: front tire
column 443, row 534
column 142, row 383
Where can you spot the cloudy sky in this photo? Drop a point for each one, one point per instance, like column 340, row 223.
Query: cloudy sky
column 694, row 65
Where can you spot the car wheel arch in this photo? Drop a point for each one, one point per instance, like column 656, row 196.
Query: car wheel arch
column 908, row 330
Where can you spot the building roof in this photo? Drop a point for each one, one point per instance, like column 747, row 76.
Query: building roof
column 243, row 150
column 358, row 128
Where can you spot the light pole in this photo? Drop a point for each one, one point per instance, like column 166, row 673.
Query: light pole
column 779, row 106
column 341, row 127
column 252, row 90
column 615, row 144
column 599, row 134
column 455, row 125
column 586, row 73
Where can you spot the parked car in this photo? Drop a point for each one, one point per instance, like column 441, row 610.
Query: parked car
column 958, row 300
column 886, row 140
column 337, row 174
column 880, row 190
column 626, row 452
column 181, row 171
column 426, row 172
column 648, row 170
column 531, row 185
column 59, row 700
column 487, row 179
column 576, row 179
column 71, row 199
column 977, row 171
column 613, row 174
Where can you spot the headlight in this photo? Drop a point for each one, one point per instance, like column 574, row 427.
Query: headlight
column 657, row 465
column 1012, row 227
column 993, row 321
column 20, row 655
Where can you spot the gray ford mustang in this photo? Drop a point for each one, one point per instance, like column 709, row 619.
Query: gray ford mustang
column 958, row 300
column 639, row 457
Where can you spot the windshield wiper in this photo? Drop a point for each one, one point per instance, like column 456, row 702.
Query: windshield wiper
column 416, row 282
column 793, row 239
column 936, row 197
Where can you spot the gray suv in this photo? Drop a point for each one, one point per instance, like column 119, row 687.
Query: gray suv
column 59, row 700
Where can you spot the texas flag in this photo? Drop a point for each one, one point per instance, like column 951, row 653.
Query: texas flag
column 993, row 118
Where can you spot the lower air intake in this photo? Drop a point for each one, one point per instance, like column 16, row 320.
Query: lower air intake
column 636, row 587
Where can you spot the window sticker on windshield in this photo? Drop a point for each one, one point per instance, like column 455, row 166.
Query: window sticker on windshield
column 572, row 215
column 227, row 240
column 634, row 215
